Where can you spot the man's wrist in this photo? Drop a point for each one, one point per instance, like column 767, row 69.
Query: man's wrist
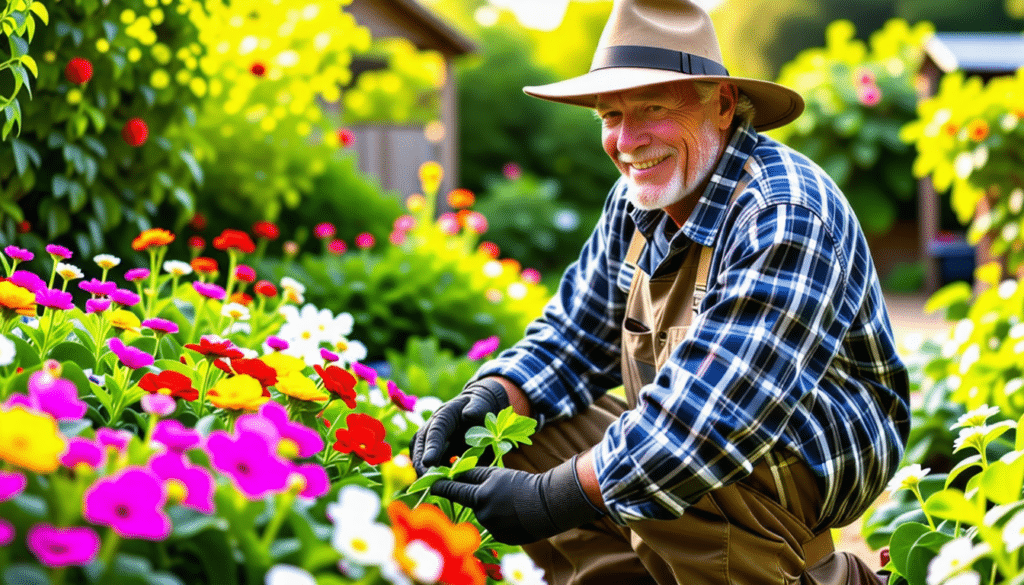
column 586, row 475
column 516, row 397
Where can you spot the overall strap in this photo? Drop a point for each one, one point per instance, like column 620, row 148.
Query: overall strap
column 700, row 286
column 636, row 245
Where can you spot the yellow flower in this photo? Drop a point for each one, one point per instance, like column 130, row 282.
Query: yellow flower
column 284, row 364
column 431, row 174
column 125, row 319
column 17, row 299
column 399, row 471
column 74, row 96
column 30, row 440
column 102, row 45
column 242, row 392
column 159, row 79
column 296, row 385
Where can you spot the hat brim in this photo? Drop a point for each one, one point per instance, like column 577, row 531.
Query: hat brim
column 776, row 104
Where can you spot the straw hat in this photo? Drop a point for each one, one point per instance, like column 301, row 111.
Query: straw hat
column 647, row 42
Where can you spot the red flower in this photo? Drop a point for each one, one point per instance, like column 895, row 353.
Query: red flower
column 336, row 246
column 364, row 437
column 493, row 571
column 258, row 369
column 456, row 543
column 241, row 298
column 346, row 137
column 78, row 71
column 222, row 348
column 490, row 249
column 197, row 243
column 234, row 239
column 24, row 227
column 245, row 273
column 338, row 381
column 170, row 383
column 324, row 230
column 266, row 230
column 265, row 288
column 135, row 132
column 198, row 222
column 258, row 69
column 204, row 265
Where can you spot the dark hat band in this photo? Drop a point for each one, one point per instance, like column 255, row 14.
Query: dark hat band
column 656, row 58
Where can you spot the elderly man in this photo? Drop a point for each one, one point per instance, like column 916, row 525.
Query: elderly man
column 729, row 289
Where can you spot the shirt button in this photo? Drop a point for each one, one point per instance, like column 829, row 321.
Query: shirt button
column 662, row 335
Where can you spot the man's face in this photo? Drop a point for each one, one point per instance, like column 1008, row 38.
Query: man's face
column 663, row 140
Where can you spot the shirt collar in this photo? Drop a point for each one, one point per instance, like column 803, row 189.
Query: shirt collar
column 703, row 224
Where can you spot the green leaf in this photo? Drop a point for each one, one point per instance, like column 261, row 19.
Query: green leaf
column 950, row 504
column 25, row 574
column 28, row 356
column 464, row 464
column 902, row 543
column 429, row 478
column 963, row 466
column 956, row 293
column 478, row 436
column 73, row 352
column 60, row 185
column 921, row 553
column 40, row 10
column 1002, row 481
column 30, row 64
column 103, row 396
column 23, row 154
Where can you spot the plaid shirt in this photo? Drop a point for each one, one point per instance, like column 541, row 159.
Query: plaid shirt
column 792, row 350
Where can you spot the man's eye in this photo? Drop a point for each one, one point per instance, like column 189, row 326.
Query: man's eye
column 655, row 109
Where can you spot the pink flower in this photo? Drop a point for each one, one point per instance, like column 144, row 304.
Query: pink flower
column 131, row 357
column 28, row 280
column 328, row 355
column 19, row 253
column 324, row 230
column 530, row 276
column 6, row 532
column 336, row 246
column 307, row 441
column 175, row 436
column 54, row 299
column 404, row 223
column 82, row 451
column 276, row 343
column 314, row 480
column 365, row 372
column 98, row 287
column 449, row 223
column 197, row 481
column 124, row 297
column 869, row 95
column 484, row 348
column 245, row 273
column 209, row 290
column 136, row 274
column 512, row 171
column 398, row 237
column 58, row 251
column 131, row 502
column 158, row 404
column 399, row 398
column 118, row 439
column 249, row 459
column 97, row 305
column 63, row 547
column 12, row 483
column 55, row 396
column 161, row 325
column 365, row 240
column 476, row 222
column 865, row 77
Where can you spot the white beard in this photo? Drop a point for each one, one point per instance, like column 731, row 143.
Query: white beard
column 651, row 196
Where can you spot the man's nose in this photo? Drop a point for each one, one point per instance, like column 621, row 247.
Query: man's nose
column 632, row 135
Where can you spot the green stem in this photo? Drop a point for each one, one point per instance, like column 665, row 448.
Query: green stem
column 203, row 389
column 917, row 494
column 111, row 542
column 284, row 505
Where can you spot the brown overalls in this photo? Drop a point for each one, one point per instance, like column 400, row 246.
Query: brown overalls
column 754, row 531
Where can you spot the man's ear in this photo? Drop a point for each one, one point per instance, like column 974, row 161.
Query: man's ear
column 728, row 95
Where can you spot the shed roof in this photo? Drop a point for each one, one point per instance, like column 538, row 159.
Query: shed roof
column 976, row 52
column 411, row 20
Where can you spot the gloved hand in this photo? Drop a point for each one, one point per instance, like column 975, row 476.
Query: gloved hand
column 443, row 435
column 519, row 507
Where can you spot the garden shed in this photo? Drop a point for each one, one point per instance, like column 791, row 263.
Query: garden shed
column 394, row 152
column 946, row 256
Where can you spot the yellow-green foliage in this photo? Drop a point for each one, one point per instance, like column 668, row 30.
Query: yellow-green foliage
column 406, row 92
column 969, row 138
column 18, row 23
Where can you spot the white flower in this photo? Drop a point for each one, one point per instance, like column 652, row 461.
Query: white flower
column 963, row 165
column 68, row 271
column 1009, row 233
column 1013, row 386
column 236, row 311
column 393, row 573
column 106, row 261
column 288, row 575
column 907, row 478
column 290, row 283
column 426, row 563
column 418, row 416
column 177, row 268
column 969, row 357
column 954, row 557
column 963, row 329
column 7, row 351
column 980, row 156
column 367, row 544
column 968, row 578
column 350, row 351
column 970, row 437
column 516, row 291
column 493, row 269
column 977, row 417
column 1009, row 122
column 1007, row 287
column 518, row 569
column 355, row 504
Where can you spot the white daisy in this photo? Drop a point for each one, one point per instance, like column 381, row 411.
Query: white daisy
column 8, row 351
column 288, row 575
column 518, row 569
column 177, row 268
column 955, row 557
column 236, row 311
column 907, row 478
column 68, row 271
column 976, row 418
column 106, row 261
column 425, row 562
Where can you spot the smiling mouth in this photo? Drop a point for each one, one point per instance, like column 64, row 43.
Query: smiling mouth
column 640, row 166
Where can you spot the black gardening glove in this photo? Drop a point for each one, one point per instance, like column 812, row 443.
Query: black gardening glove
column 444, row 434
column 519, row 507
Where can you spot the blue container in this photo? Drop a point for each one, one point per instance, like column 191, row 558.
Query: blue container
column 956, row 259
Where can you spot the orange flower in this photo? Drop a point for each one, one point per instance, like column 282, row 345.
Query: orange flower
column 17, row 299
column 430, row 176
column 152, row 237
column 204, row 265
column 977, row 129
column 460, row 198
column 455, row 543
column 950, row 129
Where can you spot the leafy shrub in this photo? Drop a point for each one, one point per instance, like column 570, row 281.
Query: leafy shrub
column 407, row 91
column 857, row 101
column 18, row 21
column 427, row 369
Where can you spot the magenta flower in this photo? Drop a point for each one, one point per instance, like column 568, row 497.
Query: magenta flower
column 322, row 231
column 19, row 253
column 175, row 436
column 131, row 503
column 196, row 481
column 399, row 398
column 365, row 372
column 530, row 275
column 12, row 483
column 249, row 460
column 82, row 451
column 55, row 299
column 136, row 274
column 161, row 325
column 314, row 479
column 6, row 532
column 124, row 297
column 63, row 547
column 869, row 95
column 397, row 237
column 131, row 357
column 98, row 287
column 365, row 240
column 59, row 251
column 117, row 439
column 276, row 343
column 328, row 355
column 404, row 223
column 209, row 290
column 55, row 396
column 158, row 404
column 306, row 440
column 484, row 348
column 512, row 171
column 96, row 305
column 27, row 280
column 448, row 223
